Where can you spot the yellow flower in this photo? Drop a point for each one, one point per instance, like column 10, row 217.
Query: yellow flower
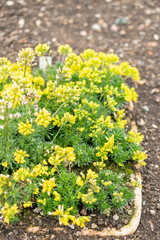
column 40, row 170
column 64, row 49
column 38, row 80
column 129, row 71
column 26, row 56
column 111, row 103
column 48, row 185
column 108, row 183
column 87, row 198
column 140, row 156
column 27, row 204
column 129, row 94
column 20, row 155
column 42, row 49
column 88, row 53
column 43, row 117
column 42, row 201
column 36, row 191
column 81, row 220
column 135, row 137
column 79, row 181
column 57, row 196
column 25, row 128
column 107, row 147
column 5, row 164
column 8, row 212
column 12, row 93
column 118, row 196
column 91, row 174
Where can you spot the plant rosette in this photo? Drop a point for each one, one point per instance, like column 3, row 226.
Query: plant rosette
column 64, row 143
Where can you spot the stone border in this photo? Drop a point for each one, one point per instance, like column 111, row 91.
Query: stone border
column 128, row 229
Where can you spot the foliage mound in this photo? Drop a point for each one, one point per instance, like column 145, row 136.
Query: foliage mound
column 64, row 144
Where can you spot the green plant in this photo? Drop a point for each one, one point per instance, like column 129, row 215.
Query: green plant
column 63, row 142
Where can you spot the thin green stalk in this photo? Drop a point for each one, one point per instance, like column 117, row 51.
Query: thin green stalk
column 58, row 132
column 59, row 108
column 6, row 131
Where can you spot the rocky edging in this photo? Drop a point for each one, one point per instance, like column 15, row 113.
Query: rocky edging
column 131, row 227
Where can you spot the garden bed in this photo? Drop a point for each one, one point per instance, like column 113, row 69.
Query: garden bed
column 73, row 112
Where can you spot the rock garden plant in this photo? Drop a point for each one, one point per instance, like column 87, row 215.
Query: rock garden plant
column 64, row 143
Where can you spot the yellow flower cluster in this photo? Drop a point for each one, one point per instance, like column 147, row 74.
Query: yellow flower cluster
column 43, row 117
column 129, row 71
column 135, row 137
column 90, row 178
column 129, row 94
column 39, row 170
column 4, row 72
column 87, row 197
column 140, row 157
column 21, row 174
column 118, row 196
column 66, row 118
column 19, row 156
column 25, row 128
column 57, row 196
column 42, row 49
column 108, row 147
column 47, row 185
column 39, row 80
column 65, row 216
column 119, row 121
column 12, row 93
column 27, row 204
column 64, row 49
column 61, row 155
column 26, row 56
column 8, row 212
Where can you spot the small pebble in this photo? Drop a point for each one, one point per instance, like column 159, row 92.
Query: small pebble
column 78, row 233
column 43, row 9
column 38, row 23
column 94, row 225
column 152, row 212
column 71, row 226
column 83, row 212
column 122, row 32
column 22, row 2
column 115, row 217
column 21, row 23
column 97, row 15
column 9, row 3
column 145, row 108
column 114, row 28
column 151, row 225
column 141, row 122
column 83, row 33
column 147, row 22
column 96, row 27
column 100, row 222
column 125, row 221
column 37, row 210
column 156, row 37
column 156, row 166
column 158, row 205
column 144, row 203
column 154, row 126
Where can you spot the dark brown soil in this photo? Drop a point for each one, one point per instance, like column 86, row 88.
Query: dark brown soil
column 135, row 38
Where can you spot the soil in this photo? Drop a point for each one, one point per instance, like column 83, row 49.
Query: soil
column 131, row 30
